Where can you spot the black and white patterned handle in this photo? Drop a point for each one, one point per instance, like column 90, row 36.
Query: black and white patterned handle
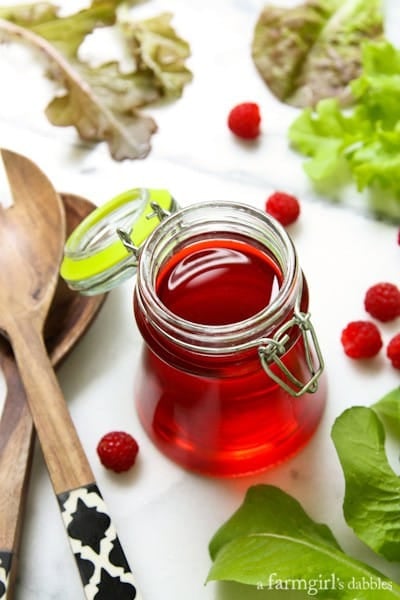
column 5, row 570
column 103, row 567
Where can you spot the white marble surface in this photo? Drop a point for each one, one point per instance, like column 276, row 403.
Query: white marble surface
column 166, row 516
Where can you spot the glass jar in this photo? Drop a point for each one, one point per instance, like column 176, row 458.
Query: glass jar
column 230, row 379
column 230, row 375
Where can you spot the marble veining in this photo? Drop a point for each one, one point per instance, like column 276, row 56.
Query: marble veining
column 164, row 515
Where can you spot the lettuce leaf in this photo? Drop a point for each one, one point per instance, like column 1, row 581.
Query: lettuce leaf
column 160, row 51
column 326, row 134
column 271, row 543
column 365, row 140
column 313, row 50
column 388, row 409
column 372, row 497
column 268, row 509
column 102, row 102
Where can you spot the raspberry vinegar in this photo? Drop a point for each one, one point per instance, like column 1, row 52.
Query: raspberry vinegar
column 216, row 283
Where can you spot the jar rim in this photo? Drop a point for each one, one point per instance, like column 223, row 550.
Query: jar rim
column 232, row 336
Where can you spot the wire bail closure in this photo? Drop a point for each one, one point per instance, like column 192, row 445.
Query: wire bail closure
column 125, row 237
column 271, row 349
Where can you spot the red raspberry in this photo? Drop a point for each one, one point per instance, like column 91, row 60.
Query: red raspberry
column 285, row 208
column 393, row 351
column 361, row 339
column 117, row 451
column 244, row 120
column 382, row 301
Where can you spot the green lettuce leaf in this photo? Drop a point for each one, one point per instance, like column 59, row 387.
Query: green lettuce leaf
column 363, row 141
column 158, row 50
column 28, row 14
column 388, row 409
column 270, row 542
column 372, row 497
column 268, row 509
column 378, row 87
column 313, row 50
column 326, row 134
column 102, row 102
column 66, row 33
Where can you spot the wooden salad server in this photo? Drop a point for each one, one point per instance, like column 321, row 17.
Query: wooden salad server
column 32, row 233
column 69, row 318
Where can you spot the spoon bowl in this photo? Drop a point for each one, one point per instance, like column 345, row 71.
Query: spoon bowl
column 70, row 313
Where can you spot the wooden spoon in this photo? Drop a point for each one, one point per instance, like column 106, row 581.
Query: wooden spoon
column 70, row 316
column 31, row 245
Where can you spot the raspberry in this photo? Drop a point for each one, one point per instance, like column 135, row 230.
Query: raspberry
column 244, row 120
column 382, row 301
column 393, row 351
column 117, row 451
column 285, row 208
column 361, row 339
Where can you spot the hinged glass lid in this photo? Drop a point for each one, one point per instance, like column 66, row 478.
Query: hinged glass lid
column 102, row 251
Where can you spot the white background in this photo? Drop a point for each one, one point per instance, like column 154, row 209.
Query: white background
column 165, row 516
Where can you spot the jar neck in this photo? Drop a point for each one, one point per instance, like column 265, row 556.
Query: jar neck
column 218, row 220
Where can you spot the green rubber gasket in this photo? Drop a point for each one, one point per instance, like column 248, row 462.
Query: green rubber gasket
column 81, row 265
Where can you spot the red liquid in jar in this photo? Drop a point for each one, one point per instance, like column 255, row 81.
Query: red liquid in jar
column 213, row 284
column 220, row 415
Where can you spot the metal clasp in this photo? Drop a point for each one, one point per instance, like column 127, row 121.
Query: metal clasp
column 127, row 242
column 125, row 237
column 158, row 211
column 270, row 351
